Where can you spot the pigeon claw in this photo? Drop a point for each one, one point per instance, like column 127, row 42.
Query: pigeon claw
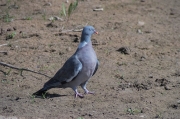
column 89, row 92
column 78, row 95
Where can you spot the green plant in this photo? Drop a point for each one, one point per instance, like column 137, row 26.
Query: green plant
column 67, row 13
column 4, row 81
column 121, row 64
column 7, row 17
column 72, row 7
column 44, row 16
column 129, row 111
column 133, row 111
column 44, row 95
column 63, row 11
column 50, row 45
column 9, row 45
column 33, row 97
column 28, row 18
column 8, row 72
column 158, row 115
column 8, row 1
column 11, row 36
column 24, row 35
column 21, row 71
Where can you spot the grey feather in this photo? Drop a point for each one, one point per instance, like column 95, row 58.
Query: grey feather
column 96, row 68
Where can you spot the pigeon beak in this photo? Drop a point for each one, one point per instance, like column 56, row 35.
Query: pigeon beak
column 95, row 32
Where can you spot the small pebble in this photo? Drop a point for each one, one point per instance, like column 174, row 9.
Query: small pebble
column 48, row 4
column 98, row 9
column 150, row 76
column 167, row 87
column 139, row 31
column 58, row 18
column 68, row 49
column 55, row 18
column 51, row 18
column 141, row 23
column 142, row 116
column 142, row 58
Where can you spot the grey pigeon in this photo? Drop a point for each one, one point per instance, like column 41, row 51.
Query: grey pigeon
column 78, row 69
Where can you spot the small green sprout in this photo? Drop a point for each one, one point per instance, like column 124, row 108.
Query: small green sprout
column 28, row 18
column 44, row 95
column 11, row 36
column 70, row 10
column 133, row 111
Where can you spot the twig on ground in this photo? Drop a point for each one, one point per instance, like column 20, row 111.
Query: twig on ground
column 74, row 30
column 22, row 69
column 78, row 28
column 8, row 43
column 3, row 44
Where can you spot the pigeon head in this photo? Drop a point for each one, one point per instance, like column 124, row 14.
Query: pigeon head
column 88, row 30
column 86, row 35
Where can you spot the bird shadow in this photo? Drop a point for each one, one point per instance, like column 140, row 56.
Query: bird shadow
column 48, row 95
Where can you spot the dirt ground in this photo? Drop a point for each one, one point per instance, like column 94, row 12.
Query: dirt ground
column 138, row 47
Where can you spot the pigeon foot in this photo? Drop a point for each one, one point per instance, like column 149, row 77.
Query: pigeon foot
column 88, row 92
column 78, row 95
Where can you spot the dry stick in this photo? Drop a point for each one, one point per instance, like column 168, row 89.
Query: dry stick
column 3, row 45
column 8, row 43
column 74, row 30
column 22, row 69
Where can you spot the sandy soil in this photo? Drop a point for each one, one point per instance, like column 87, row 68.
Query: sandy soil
column 138, row 47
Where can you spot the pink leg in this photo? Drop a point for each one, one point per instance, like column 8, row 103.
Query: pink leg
column 88, row 92
column 78, row 94
column 85, row 89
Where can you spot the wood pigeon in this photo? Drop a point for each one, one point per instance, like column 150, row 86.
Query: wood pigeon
column 78, row 69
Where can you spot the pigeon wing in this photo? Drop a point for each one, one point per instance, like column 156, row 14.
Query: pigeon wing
column 67, row 73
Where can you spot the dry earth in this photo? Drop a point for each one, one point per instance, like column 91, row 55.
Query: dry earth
column 138, row 47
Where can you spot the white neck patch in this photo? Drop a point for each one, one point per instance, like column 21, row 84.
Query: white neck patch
column 82, row 44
